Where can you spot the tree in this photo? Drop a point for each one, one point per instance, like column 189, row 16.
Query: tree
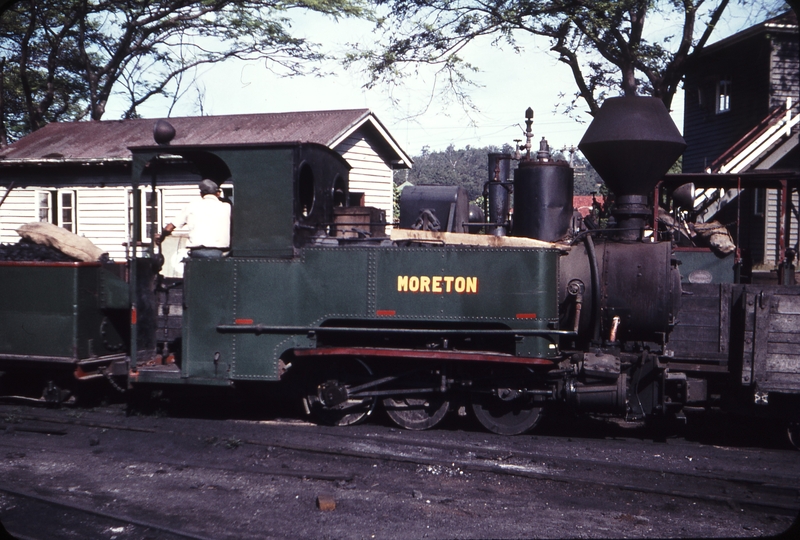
column 63, row 59
column 466, row 167
column 587, row 181
column 605, row 43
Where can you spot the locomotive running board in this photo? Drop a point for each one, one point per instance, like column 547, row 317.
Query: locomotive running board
column 418, row 354
column 311, row 330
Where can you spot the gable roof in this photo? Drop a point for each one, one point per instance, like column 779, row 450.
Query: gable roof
column 786, row 23
column 110, row 139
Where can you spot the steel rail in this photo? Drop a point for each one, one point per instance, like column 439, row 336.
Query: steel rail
column 98, row 513
column 291, row 473
column 486, row 465
column 511, row 470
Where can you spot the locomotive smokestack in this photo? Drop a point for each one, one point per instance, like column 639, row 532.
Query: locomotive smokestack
column 632, row 143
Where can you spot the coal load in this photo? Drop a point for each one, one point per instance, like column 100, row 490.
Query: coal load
column 25, row 250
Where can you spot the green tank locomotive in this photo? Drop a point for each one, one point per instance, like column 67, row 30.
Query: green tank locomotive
column 349, row 315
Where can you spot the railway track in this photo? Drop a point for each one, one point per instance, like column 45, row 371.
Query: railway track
column 92, row 523
column 775, row 494
column 771, row 495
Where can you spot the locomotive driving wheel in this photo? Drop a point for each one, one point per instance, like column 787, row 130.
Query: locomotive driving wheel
column 505, row 407
column 504, row 415
column 330, row 401
column 417, row 413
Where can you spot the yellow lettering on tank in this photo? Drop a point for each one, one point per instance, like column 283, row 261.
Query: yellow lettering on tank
column 436, row 284
column 472, row 285
column 448, row 283
column 402, row 283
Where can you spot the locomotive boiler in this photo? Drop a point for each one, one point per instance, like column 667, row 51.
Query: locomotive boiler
column 525, row 310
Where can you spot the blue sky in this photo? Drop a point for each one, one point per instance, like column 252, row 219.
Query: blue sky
column 507, row 84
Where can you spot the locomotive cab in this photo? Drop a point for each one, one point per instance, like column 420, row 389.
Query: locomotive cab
column 286, row 196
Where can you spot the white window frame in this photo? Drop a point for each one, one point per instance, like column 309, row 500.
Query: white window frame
column 723, row 96
column 55, row 208
column 143, row 193
column 73, row 210
column 48, row 196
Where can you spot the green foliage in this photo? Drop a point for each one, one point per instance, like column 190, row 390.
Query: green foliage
column 677, row 167
column 466, row 167
column 65, row 58
column 587, row 181
column 396, row 191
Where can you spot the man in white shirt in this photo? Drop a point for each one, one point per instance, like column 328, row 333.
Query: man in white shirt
column 209, row 223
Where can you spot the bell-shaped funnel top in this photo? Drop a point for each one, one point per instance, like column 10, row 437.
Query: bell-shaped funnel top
column 632, row 142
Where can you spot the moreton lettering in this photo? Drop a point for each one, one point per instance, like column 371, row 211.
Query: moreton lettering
column 438, row 284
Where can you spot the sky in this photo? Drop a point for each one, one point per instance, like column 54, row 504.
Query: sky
column 507, row 84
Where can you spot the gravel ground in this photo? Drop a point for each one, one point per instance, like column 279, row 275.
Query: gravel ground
column 237, row 478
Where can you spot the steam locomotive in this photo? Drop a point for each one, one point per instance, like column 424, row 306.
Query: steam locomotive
column 507, row 315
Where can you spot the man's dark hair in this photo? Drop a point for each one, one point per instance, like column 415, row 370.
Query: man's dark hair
column 208, row 187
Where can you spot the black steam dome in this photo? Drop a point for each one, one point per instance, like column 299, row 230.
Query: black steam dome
column 632, row 143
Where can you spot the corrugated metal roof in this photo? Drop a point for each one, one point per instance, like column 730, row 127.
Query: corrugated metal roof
column 112, row 138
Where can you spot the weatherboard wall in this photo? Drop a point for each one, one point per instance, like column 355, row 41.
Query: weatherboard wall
column 370, row 174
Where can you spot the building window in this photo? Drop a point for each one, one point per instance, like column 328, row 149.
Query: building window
column 44, row 205
column 759, row 202
column 67, row 200
column 57, row 207
column 723, row 96
column 151, row 207
column 151, row 213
